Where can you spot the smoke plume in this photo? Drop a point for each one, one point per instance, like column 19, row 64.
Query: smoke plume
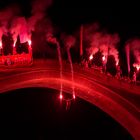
column 69, row 41
column 98, row 40
column 133, row 46
column 39, row 8
column 10, row 21
column 6, row 15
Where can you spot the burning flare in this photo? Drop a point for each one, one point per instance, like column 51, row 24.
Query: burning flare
column 29, row 42
column 137, row 66
column 0, row 44
column 91, row 57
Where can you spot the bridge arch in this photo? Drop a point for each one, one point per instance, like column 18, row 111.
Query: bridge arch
column 96, row 94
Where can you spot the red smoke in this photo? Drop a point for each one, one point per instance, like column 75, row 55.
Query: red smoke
column 134, row 47
column 106, row 43
column 69, row 41
column 39, row 8
column 19, row 27
column 6, row 15
column 52, row 40
column 11, row 22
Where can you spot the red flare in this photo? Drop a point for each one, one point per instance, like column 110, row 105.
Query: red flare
column 73, row 96
column 29, row 42
column 61, row 96
column 137, row 66
column 91, row 57
column 0, row 44
column 14, row 44
column 103, row 58
column 117, row 63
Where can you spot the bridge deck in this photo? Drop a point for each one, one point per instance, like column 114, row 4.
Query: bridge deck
column 91, row 85
column 127, row 90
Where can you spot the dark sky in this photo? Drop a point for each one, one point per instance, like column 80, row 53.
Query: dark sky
column 69, row 14
column 114, row 17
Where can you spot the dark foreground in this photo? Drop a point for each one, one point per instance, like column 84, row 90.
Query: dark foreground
column 36, row 113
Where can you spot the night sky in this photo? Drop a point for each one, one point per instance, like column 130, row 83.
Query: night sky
column 69, row 14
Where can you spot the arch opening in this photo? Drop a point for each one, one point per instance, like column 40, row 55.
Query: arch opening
column 92, row 95
column 37, row 112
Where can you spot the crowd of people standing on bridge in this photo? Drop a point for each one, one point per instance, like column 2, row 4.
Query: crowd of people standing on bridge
column 109, row 68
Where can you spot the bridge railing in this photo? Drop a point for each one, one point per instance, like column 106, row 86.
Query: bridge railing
column 18, row 59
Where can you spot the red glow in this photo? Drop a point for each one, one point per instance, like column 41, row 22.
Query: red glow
column 137, row 66
column 14, row 44
column 73, row 96
column 0, row 44
column 103, row 58
column 29, row 42
column 91, row 57
column 61, row 96
column 117, row 63
column 18, row 59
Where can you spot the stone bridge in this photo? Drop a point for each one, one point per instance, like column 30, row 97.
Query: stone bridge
column 118, row 99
